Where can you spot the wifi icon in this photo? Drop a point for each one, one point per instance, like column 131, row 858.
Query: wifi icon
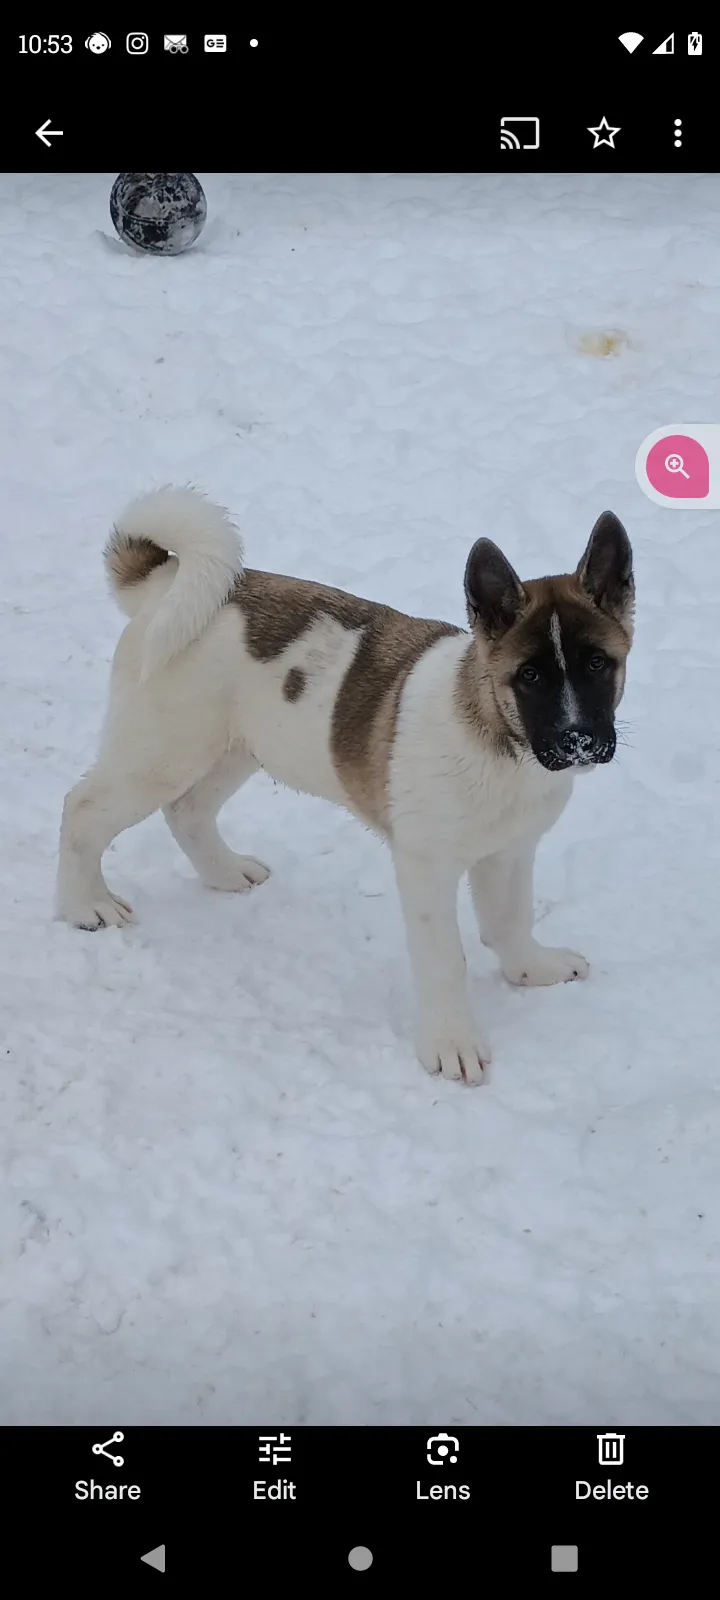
column 631, row 40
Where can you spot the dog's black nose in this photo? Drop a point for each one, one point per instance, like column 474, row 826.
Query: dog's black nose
column 577, row 741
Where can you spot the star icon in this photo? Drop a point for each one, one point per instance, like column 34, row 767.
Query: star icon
column 604, row 134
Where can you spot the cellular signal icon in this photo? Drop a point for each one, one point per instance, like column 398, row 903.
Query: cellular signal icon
column 519, row 133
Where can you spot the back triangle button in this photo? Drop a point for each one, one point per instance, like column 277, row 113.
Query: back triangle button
column 156, row 1558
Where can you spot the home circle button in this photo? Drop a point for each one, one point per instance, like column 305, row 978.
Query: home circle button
column 360, row 1558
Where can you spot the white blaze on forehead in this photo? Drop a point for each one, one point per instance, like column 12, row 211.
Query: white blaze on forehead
column 557, row 641
column 570, row 704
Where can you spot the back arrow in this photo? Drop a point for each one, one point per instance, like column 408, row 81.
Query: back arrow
column 46, row 130
column 156, row 1558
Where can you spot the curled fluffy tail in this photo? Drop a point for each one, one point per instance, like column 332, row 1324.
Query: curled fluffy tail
column 209, row 552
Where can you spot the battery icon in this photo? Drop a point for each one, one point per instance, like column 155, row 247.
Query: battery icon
column 694, row 44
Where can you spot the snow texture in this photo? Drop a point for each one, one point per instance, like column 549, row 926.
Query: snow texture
column 229, row 1192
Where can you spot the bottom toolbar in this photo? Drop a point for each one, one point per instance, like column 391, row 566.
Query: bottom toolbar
column 389, row 1502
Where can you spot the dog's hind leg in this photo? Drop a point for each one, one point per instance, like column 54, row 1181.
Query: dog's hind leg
column 192, row 822
column 105, row 803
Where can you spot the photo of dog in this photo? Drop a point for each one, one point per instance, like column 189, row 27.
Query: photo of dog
column 360, row 930
column 458, row 747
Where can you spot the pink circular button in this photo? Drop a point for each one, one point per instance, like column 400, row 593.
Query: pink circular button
column 679, row 468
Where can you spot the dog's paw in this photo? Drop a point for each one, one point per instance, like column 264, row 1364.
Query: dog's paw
column 455, row 1053
column 106, row 911
column 238, row 875
column 543, row 965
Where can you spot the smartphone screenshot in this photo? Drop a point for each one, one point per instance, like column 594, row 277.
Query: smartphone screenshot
column 360, row 470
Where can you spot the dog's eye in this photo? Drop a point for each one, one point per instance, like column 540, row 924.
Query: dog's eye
column 597, row 662
column 529, row 674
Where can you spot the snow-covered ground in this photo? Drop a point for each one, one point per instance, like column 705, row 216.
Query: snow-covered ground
column 229, row 1192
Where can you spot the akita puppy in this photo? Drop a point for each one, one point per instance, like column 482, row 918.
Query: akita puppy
column 458, row 747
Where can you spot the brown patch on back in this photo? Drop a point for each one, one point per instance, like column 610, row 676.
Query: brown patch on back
column 294, row 684
column 130, row 560
column 279, row 610
column 365, row 715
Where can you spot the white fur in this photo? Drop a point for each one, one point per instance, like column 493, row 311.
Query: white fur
column 292, row 741
column 556, row 637
column 184, row 737
column 210, row 558
column 569, row 699
column 570, row 705
column 454, row 805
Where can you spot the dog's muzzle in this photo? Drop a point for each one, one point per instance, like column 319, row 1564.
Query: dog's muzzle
column 576, row 747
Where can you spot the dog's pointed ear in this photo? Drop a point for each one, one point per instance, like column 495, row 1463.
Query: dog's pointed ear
column 493, row 591
column 606, row 569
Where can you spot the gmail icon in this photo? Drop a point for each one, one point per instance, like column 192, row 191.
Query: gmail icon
column 176, row 43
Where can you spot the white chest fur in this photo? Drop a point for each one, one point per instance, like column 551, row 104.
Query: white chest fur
column 448, row 791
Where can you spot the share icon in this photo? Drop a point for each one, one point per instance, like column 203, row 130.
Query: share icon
column 100, row 1450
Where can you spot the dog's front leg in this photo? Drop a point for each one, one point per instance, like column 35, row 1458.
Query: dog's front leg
column 446, row 1037
column 502, row 890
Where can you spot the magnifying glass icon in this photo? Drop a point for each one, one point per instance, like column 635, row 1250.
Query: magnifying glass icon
column 676, row 464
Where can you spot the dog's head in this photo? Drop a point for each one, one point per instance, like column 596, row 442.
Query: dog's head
column 553, row 650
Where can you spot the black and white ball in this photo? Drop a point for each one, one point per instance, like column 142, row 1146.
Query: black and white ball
column 163, row 212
